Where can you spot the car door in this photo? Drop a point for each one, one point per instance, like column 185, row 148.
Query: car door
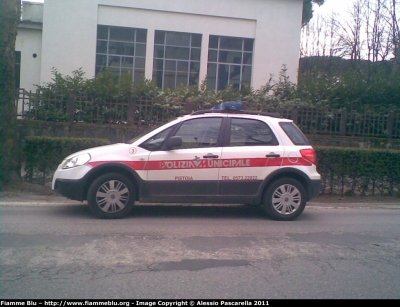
column 192, row 169
column 251, row 154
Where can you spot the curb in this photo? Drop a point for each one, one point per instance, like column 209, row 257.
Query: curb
column 32, row 200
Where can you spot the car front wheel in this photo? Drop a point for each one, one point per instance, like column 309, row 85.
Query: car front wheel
column 284, row 199
column 111, row 196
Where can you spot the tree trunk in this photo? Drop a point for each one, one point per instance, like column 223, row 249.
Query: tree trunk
column 396, row 38
column 10, row 12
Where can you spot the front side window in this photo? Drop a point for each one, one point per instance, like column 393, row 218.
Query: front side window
column 156, row 141
column 249, row 132
column 121, row 50
column 176, row 59
column 229, row 62
column 200, row 133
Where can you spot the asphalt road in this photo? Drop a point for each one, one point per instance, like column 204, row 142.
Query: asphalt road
column 56, row 249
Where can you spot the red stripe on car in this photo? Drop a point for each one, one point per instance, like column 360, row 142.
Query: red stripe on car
column 209, row 163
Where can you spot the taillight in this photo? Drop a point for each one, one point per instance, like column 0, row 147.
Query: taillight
column 309, row 154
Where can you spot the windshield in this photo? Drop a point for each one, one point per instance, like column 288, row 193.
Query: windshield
column 147, row 131
column 141, row 134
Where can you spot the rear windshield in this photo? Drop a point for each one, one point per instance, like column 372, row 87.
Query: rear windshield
column 294, row 133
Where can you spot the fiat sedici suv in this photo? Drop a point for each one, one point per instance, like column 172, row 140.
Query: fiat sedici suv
column 223, row 155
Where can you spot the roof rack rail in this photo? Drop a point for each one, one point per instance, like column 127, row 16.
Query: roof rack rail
column 234, row 107
column 276, row 115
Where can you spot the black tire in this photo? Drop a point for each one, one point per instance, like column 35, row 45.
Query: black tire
column 284, row 199
column 111, row 196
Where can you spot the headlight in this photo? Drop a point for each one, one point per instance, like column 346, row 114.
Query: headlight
column 76, row 161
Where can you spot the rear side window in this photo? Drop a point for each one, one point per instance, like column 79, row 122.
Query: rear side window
column 294, row 133
column 249, row 132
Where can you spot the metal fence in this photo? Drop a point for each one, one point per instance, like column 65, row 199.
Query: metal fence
column 82, row 107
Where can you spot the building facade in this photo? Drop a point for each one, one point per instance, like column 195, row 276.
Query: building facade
column 182, row 42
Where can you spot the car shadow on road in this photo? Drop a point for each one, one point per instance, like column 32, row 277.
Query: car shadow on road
column 172, row 211
column 208, row 211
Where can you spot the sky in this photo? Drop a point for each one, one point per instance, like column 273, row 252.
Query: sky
column 329, row 6
column 338, row 6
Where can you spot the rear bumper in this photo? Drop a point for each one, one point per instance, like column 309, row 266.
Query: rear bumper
column 314, row 188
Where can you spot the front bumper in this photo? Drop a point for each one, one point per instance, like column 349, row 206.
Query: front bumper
column 70, row 188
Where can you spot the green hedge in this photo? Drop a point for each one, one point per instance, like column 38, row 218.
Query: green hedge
column 344, row 171
column 43, row 154
column 354, row 171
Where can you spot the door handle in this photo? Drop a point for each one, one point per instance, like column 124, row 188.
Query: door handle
column 210, row 156
column 273, row 155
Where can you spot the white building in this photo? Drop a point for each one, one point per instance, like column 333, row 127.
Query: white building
column 238, row 42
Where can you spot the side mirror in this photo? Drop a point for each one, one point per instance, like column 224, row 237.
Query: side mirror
column 174, row 142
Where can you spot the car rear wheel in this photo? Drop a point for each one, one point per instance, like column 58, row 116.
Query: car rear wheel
column 111, row 196
column 284, row 199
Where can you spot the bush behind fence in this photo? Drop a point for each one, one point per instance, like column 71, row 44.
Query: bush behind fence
column 42, row 155
column 355, row 171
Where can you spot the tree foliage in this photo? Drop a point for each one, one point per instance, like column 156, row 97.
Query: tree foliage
column 352, row 84
column 9, row 19
column 370, row 31
column 307, row 9
column 324, row 83
column 353, row 62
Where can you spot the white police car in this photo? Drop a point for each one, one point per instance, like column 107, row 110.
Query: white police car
column 223, row 155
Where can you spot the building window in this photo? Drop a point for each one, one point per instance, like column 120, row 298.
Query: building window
column 176, row 59
column 229, row 62
column 17, row 69
column 121, row 50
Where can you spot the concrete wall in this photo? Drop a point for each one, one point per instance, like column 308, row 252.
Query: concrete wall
column 353, row 141
column 69, row 30
column 29, row 44
column 32, row 12
column 123, row 133
column 114, row 133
